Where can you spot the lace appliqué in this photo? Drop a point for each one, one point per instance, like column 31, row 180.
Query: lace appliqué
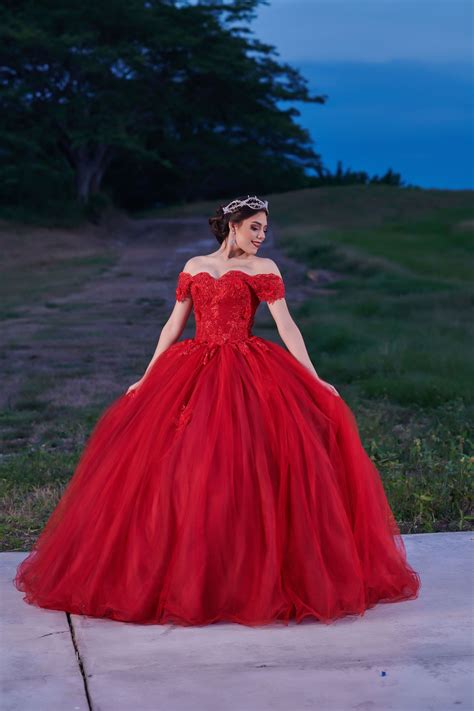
column 224, row 308
column 190, row 345
column 269, row 287
column 187, row 346
column 208, row 353
column 183, row 287
column 259, row 342
column 184, row 416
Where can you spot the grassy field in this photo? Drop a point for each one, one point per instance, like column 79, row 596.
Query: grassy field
column 397, row 330
column 392, row 329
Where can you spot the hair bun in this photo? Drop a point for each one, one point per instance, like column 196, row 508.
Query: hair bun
column 219, row 225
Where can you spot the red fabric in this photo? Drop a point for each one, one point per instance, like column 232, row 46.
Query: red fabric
column 231, row 486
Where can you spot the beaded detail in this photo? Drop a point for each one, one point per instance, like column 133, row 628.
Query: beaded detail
column 225, row 306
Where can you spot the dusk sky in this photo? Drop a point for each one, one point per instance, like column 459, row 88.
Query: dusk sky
column 399, row 80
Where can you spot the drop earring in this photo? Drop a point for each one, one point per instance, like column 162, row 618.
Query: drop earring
column 233, row 241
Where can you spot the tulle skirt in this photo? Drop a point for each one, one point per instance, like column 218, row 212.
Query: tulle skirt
column 231, row 486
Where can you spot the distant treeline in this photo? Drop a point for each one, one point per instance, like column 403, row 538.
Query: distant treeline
column 141, row 103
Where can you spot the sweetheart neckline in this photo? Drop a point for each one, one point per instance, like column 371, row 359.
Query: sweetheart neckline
column 230, row 271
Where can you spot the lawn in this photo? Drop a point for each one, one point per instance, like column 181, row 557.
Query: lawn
column 392, row 330
column 395, row 332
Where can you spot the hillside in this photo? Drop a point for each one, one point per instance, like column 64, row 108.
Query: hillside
column 377, row 279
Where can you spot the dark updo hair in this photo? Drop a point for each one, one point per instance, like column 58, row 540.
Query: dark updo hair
column 219, row 223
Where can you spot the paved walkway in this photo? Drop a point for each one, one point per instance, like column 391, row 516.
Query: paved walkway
column 409, row 656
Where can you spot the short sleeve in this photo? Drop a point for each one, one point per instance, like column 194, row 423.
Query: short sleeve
column 183, row 287
column 269, row 287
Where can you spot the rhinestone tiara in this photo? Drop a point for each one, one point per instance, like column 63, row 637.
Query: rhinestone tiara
column 254, row 202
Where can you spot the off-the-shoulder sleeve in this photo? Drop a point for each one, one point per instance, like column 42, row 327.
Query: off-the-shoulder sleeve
column 269, row 287
column 183, row 287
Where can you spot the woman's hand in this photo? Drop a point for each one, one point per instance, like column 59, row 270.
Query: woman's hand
column 329, row 386
column 132, row 389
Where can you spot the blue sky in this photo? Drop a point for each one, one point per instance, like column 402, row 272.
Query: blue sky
column 399, row 80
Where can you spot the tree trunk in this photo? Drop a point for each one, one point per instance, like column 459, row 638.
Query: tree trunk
column 89, row 162
column 90, row 166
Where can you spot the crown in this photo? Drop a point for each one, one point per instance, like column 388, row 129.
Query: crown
column 254, row 202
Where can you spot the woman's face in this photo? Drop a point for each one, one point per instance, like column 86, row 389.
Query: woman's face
column 251, row 232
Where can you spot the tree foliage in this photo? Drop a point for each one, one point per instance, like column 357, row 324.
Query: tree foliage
column 152, row 100
column 353, row 177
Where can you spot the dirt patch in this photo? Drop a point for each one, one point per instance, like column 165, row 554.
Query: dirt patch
column 84, row 329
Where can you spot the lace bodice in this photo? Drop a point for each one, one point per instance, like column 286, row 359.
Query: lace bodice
column 225, row 306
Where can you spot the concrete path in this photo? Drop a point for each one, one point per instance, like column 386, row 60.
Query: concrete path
column 408, row 656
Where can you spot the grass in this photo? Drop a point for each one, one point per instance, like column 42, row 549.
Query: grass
column 425, row 458
column 32, row 483
column 393, row 326
column 20, row 287
column 34, row 471
column 393, row 332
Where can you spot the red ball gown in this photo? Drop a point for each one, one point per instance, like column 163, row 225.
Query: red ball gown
column 230, row 486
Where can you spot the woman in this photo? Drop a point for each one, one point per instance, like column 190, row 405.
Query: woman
column 228, row 483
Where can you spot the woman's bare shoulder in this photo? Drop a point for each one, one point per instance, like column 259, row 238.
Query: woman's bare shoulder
column 265, row 265
column 258, row 265
column 193, row 264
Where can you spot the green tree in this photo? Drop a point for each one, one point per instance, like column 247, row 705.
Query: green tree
column 169, row 91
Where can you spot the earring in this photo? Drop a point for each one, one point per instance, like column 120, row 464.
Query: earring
column 233, row 237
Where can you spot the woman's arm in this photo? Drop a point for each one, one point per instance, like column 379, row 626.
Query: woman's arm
column 289, row 332
column 169, row 334
column 291, row 336
column 172, row 330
